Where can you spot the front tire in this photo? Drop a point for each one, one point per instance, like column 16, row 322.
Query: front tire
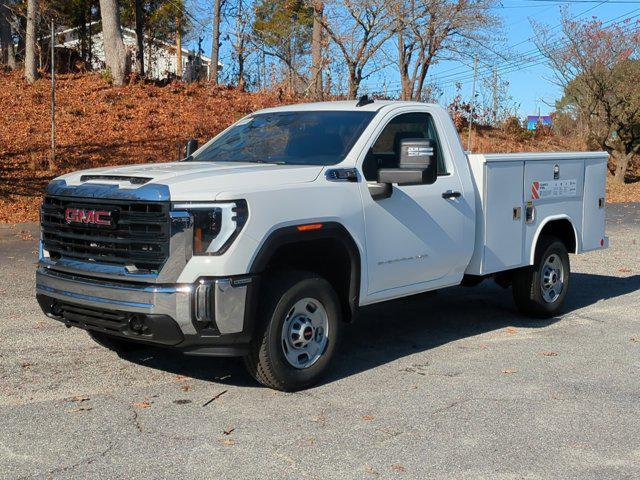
column 299, row 328
column 540, row 290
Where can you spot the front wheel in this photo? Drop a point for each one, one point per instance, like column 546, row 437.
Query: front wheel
column 300, row 322
column 540, row 290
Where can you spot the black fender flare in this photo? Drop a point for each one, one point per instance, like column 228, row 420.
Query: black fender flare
column 329, row 230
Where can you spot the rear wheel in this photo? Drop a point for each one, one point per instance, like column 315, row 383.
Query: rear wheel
column 540, row 290
column 300, row 328
column 116, row 344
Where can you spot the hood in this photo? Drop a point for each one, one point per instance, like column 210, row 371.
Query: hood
column 191, row 180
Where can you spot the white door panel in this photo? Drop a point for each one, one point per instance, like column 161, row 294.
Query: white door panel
column 416, row 240
column 415, row 235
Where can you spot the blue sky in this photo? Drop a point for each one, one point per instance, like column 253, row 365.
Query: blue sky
column 530, row 84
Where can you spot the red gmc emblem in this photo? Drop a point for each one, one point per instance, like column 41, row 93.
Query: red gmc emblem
column 88, row 217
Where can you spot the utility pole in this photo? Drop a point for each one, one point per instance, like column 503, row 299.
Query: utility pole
column 473, row 100
column 495, row 96
column 52, row 161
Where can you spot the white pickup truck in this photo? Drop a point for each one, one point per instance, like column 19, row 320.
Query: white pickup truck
column 265, row 240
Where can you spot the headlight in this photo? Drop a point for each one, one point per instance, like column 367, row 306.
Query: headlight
column 215, row 225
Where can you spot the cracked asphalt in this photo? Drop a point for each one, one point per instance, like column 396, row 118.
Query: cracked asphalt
column 448, row 385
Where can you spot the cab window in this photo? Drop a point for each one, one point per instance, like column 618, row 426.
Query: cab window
column 384, row 152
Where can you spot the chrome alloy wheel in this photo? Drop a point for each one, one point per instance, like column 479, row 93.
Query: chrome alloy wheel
column 552, row 278
column 305, row 333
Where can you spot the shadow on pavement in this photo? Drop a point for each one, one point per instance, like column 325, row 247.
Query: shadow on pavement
column 384, row 333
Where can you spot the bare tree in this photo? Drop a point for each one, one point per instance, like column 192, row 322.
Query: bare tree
column 239, row 43
column 594, row 64
column 432, row 30
column 114, row 50
column 359, row 29
column 215, row 41
column 30, row 66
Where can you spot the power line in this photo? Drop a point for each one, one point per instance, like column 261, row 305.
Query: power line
column 539, row 59
column 531, row 38
column 530, row 52
column 530, row 56
column 621, row 2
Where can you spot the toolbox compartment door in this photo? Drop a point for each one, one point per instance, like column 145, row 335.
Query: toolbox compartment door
column 595, row 172
column 503, row 216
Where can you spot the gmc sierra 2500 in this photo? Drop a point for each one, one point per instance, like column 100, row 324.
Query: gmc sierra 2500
column 262, row 242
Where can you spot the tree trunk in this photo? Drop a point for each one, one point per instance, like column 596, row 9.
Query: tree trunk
column 21, row 28
column 622, row 164
column 241, row 82
column 114, row 51
column 354, row 82
column 139, row 38
column 30, row 69
column 179, row 52
column 316, row 51
column 7, row 50
column 240, row 46
column 215, row 43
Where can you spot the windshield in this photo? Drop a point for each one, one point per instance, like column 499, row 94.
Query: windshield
column 297, row 138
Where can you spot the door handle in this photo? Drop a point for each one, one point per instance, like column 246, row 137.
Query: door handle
column 451, row 194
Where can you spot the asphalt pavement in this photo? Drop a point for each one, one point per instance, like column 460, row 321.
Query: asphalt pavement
column 449, row 385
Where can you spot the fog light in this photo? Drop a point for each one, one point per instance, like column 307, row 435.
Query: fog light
column 56, row 310
column 137, row 324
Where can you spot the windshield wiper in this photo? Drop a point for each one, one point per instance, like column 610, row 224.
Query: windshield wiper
column 274, row 162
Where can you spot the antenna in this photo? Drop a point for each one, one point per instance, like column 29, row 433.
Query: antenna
column 364, row 100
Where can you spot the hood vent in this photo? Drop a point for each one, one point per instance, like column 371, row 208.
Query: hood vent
column 116, row 178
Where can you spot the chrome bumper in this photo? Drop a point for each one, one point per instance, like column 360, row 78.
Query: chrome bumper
column 219, row 302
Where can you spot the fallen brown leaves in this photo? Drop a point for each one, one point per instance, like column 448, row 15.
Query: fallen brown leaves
column 99, row 125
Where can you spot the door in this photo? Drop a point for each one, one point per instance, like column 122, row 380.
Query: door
column 415, row 235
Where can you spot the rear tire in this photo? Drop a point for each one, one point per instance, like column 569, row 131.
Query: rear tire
column 116, row 344
column 540, row 290
column 299, row 323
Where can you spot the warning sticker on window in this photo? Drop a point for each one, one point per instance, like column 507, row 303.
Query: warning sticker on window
column 554, row 189
column 419, row 151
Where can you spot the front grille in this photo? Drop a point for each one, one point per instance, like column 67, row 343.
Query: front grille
column 139, row 236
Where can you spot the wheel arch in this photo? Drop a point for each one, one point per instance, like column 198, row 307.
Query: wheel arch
column 561, row 226
column 313, row 250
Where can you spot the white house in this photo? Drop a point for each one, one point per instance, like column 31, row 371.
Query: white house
column 160, row 56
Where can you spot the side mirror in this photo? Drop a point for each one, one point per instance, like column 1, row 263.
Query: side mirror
column 192, row 146
column 417, row 164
